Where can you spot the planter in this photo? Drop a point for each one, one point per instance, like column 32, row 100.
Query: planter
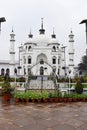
column 79, row 99
column 33, row 100
column 60, row 99
column 27, row 100
column 65, row 99
column 38, row 100
column 7, row 96
column 74, row 99
column 55, row 99
column 45, row 100
column 84, row 99
column 70, row 99
column 51, row 100
column 17, row 99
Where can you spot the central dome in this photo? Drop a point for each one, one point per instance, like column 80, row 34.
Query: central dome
column 42, row 40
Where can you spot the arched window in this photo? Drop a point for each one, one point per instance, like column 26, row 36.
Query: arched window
column 29, row 48
column 54, row 60
column 29, row 59
column 7, row 71
column 59, row 61
column 24, row 60
column 15, row 71
column 2, row 72
column 54, row 48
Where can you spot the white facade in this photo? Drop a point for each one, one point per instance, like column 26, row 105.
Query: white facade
column 43, row 49
column 41, row 55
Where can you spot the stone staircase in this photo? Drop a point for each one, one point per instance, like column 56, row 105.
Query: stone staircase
column 36, row 84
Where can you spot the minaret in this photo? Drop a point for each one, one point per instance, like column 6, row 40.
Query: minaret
column 12, row 53
column 71, row 54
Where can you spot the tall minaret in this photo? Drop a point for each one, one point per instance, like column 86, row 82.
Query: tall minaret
column 71, row 54
column 12, row 53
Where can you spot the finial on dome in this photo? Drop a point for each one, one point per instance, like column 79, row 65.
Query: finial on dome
column 41, row 23
column 12, row 32
column 30, row 35
column 53, row 35
column 53, row 30
column 42, row 31
column 12, row 29
column 71, row 30
column 71, row 33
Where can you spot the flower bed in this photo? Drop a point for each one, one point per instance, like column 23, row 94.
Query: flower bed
column 38, row 97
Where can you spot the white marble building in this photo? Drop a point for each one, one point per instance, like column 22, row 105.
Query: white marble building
column 41, row 55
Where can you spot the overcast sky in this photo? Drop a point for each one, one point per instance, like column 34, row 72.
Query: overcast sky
column 63, row 15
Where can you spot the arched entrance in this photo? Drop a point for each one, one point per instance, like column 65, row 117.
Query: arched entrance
column 41, row 57
column 39, row 79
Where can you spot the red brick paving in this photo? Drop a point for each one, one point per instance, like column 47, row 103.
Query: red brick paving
column 50, row 116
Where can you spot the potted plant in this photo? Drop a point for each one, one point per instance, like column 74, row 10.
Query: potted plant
column 6, row 90
column 65, row 97
column 50, row 95
column 55, row 96
column 44, row 96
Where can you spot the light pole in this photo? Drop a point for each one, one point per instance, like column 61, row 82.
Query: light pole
column 85, row 21
column 2, row 19
column 15, row 70
column 69, row 81
column 64, row 47
column 25, row 78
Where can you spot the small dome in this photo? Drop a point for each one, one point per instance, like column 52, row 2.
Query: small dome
column 30, row 40
column 53, row 41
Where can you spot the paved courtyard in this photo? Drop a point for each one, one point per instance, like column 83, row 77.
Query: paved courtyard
column 33, row 116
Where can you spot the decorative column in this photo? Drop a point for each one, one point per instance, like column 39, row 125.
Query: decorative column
column 12, row 54
column 71, row 54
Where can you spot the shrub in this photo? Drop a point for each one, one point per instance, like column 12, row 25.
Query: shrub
column 1, row 78
column 12, row 79
column 21, row 79
column 79, row 87
column 6, row 87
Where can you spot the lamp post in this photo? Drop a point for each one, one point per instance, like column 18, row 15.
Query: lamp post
column 2, row 19
column 69, row 81
column 15, row 71
column 64, row 47
column 82, row 22
column 85, row 21
column 25, row 78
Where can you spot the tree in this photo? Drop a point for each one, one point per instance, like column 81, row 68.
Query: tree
column 79, row 87
column 83, row 65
